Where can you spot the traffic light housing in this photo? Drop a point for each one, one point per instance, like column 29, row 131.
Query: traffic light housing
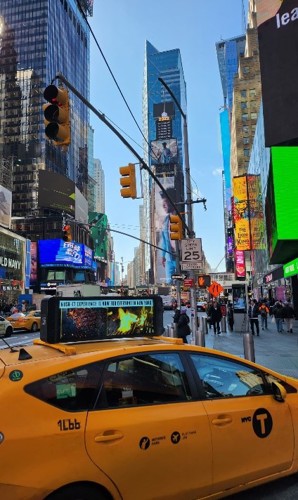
column 57, row 115
column 176, row 230
column 204, row 280
column 67, row 236
column 128, row 181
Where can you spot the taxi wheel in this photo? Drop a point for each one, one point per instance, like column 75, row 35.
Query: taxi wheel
column 8, row 332
column 79, row 492
column 34, row 327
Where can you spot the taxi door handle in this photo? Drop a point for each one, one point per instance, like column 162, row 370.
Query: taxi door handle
column 222, row 420
column 103, row 438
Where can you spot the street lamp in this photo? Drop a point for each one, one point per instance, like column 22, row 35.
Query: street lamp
column 191, row 233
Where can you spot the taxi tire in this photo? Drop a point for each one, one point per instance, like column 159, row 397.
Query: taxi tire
column 34, row 327
column 9, row 331
column 79, row 492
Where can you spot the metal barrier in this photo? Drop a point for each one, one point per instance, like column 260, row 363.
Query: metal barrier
column 249, row 348
column 223, row 324
column 204, row 328
column 199, row 338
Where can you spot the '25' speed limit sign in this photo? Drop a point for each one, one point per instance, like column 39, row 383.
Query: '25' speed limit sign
column 191, row 250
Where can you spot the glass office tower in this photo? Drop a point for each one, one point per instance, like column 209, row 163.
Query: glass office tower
column 38, row 39
column 163, row 129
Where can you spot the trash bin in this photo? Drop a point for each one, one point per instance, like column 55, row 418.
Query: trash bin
column 249, row 348
column 223, row 324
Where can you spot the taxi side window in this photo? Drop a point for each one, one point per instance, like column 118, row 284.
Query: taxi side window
column 144, row 379
column 222, row 378
column 72, row 390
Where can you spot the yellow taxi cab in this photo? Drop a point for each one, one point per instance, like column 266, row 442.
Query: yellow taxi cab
column 131, row 418
column 29, row 321
column 5, row 327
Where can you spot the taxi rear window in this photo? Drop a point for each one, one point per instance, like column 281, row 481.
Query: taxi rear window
column 72, row 390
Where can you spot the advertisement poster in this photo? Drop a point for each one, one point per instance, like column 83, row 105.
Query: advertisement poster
column 64, row 253
column 240, row 213
column 277, row 22
column 164, row 152
column 5, row 206
column 240, row 270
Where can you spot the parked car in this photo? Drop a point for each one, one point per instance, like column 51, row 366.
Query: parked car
column 5, row 327
column 100, row 419
column 29, row 321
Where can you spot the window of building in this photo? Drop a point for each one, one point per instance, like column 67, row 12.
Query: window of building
column 244, row 117
column 243, row 93
column 245, row 140
column 245, row 129
column 243, row 104
column 245, row 69
column 246, row 152
column 252, row 92
column 253, row 116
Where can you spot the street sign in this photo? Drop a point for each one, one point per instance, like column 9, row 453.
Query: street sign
column 191, row 251
column 178, row 276
column 186, row 266
column 188, row 283
column 215, row 289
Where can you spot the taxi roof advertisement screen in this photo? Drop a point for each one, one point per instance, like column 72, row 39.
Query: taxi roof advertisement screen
column 93, row 318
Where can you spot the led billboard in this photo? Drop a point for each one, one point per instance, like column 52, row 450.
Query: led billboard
column 164, row 152
column 282, row 206
column 278, row 40
column 56, row 191
column 5, row 206
column 61, row 253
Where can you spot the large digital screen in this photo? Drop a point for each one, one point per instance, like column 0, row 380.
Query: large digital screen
column 98, row 318
column 64, row 253
column 164, row 152
column 56, row 191
column 278, row 39
column 239, row 298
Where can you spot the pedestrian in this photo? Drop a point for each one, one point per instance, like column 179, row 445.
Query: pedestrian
column 264, row 311
column 183, row 328
column 253, row 313
column 176, row 315
column 215, row 317
column 278, row 313
column 230, row 316
column 289, row 315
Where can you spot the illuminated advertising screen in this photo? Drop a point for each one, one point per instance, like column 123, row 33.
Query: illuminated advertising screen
column 282, row 206
column 164, row 152
column 98, row 318
column 5, row 206
column 56, row 191
column 64, row 253
column 239, row 298
column 164, row 110
column 165, row 266
column 240, row 213
column 240, row 270
column 278, row 40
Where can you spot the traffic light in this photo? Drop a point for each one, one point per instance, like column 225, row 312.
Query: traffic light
column 128, row 181
column 57, row 115
column 176, row 230
column 67, row 236
column 204, row 280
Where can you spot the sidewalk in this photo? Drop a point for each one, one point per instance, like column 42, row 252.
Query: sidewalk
column 278, row 351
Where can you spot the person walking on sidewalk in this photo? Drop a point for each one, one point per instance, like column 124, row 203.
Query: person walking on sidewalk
column 289, row 315
column 253, row 313
column 215, row 317
column 183, row 328
column 264, row 310
column 278, row 313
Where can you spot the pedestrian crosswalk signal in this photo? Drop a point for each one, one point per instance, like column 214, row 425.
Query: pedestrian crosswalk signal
column 176, row 231
column 204, row 280
column 128, row 181
column 57, row 115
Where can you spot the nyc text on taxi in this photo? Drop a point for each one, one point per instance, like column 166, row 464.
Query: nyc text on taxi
column 93, row 410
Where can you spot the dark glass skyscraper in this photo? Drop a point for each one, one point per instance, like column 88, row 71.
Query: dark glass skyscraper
column 163, row 127
column 38, row 39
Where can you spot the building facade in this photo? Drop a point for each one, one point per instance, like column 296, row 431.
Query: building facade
column 163, row 129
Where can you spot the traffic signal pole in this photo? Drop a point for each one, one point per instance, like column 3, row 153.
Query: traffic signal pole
column 102, row 117
column 191, row 233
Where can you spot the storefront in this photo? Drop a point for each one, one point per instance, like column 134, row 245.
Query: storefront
column 291, row 274
column 275, row 286
column 12, row 266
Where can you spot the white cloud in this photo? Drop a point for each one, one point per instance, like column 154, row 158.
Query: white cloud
column 217, row 172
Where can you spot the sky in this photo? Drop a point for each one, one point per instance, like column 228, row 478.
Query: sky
column 121, row 28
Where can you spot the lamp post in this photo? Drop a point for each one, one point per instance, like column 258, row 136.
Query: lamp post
column 191, row 233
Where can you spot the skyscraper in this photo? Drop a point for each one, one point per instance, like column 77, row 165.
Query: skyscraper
column 37, row 40
column 163, row 129
column 99, row 177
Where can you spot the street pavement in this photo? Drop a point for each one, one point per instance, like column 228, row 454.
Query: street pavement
column 278, row 351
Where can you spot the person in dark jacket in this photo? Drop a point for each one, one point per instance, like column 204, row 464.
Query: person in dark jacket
column 289, row 315
column 278, row 313
column 253, row 313
column 215, row 316
column 183, row 328
column 230, row 316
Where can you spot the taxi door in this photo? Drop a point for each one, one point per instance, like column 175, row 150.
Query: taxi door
column 252, row 433
column 147, row 434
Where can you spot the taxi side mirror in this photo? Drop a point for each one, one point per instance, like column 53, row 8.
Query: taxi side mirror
column 279, row 392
